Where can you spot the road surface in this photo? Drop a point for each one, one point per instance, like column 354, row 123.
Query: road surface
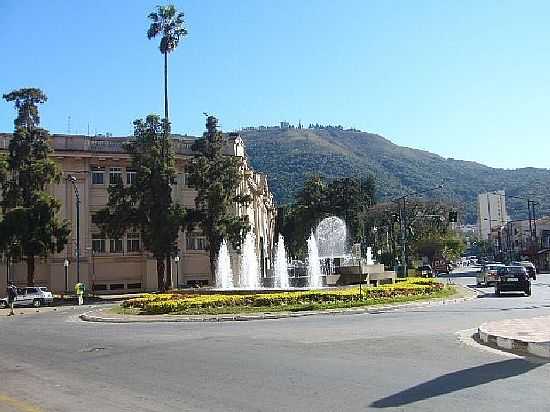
column 415, row 360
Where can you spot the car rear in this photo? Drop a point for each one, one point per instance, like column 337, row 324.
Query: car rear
column 46, row 296
column 531, row 269
column 425, row 271
column 491, row 274
column 513, row 279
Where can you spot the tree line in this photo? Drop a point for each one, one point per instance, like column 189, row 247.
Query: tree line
column 428, row 229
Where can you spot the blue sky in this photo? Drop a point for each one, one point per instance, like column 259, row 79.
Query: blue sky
column 466, row 79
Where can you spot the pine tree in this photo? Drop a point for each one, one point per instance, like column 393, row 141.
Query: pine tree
column 217, row 179
column 147, row 204
column 31, row 226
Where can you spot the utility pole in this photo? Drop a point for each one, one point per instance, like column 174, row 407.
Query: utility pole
column 402, row 225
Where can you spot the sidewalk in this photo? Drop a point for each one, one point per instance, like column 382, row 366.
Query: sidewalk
column 530, row 336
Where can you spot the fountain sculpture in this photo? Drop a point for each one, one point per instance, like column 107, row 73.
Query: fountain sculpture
column 281, row 265
column 224, row 274
column 249, row 273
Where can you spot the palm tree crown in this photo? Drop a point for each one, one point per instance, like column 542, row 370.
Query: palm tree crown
column 167, row 22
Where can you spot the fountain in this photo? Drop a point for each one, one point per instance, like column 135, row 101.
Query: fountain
column 249, row 273
column 281, row 265
column 224, row 274
column 314, row 265
column 331, row 238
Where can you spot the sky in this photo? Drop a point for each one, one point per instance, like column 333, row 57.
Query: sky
column 466, row 79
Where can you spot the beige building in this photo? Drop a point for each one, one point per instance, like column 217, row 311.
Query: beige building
column 491, row 212
column 120, row 265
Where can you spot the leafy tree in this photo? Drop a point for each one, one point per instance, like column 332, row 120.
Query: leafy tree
column 348, row 198
column 31, row 226
column 217, row 179
column 167, row 23
column 448, row 246
column 147, row 205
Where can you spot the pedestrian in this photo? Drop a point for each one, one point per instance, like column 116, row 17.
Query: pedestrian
column 12, row 294
column 79, row 289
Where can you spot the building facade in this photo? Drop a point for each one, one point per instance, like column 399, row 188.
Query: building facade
column 491, row 212
column 120, row 265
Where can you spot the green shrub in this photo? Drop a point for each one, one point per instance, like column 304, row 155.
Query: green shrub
column 175, row 302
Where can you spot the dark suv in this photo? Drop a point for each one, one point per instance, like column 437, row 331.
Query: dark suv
column 512, row 279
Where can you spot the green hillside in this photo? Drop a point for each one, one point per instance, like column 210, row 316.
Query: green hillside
column 289, row 155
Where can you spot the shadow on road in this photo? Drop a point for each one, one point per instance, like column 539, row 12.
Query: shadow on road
column 456, row 381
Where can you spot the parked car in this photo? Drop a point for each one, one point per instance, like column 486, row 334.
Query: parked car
column 425, row 271
column 513, row 279
column 487, row 276
column 442, row 266
column 531, row 269
column 30, row 296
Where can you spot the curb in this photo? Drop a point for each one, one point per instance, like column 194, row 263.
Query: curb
column 509, row 344
column 93, row 316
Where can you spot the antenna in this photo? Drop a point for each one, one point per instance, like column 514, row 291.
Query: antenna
column 69, row 125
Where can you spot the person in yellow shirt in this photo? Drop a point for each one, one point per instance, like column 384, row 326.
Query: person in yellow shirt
column 79, row 289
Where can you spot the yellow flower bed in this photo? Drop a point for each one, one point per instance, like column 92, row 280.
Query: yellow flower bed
column 176, row 302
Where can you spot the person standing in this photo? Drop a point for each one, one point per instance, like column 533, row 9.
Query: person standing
column 79, row 289
column 12, row 295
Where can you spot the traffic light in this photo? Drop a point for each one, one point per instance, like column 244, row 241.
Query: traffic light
column 453, row 216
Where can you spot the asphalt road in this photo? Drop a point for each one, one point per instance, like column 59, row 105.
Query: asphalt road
column 404, row 360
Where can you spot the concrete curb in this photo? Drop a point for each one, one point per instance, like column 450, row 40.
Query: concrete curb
column 541, row 350
column 95, row 315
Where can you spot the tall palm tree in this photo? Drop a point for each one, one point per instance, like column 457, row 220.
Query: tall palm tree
column 168, row 23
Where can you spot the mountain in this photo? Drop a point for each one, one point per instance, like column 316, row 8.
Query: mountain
column 287, row 155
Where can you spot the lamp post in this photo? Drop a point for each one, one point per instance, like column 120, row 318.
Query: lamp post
column 72, row 179
column 66, row 266
column 177, row 260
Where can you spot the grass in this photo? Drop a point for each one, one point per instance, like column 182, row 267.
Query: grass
column 446, row 292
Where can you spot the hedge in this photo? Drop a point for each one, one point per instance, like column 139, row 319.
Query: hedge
column 176, row 302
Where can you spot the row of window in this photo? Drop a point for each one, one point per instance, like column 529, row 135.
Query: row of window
column 99, row 243
column 115, row 175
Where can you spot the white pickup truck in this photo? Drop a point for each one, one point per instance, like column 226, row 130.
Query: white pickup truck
column 30, row 296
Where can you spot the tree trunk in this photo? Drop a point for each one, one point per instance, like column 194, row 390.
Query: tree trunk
column 166, row 85
column 213, row 267
column 160, row 275
column 30, row 270
column 168, row 273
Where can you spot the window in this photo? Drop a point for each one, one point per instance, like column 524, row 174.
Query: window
column 130, row 176
column 132, row 242
column 98, row 243
column 115, row 175
column 97, row 177
column 185, row 179
column 115, row 246
column 196, row 241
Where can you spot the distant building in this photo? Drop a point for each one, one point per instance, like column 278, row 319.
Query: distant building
column 491, row 212
column 285, row 125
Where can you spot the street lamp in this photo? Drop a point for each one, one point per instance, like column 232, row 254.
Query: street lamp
column 72, row 179
column 177, row 260
column 66, row 266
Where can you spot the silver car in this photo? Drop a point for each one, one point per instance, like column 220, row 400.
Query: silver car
column 30, row 296
column 487, row 276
